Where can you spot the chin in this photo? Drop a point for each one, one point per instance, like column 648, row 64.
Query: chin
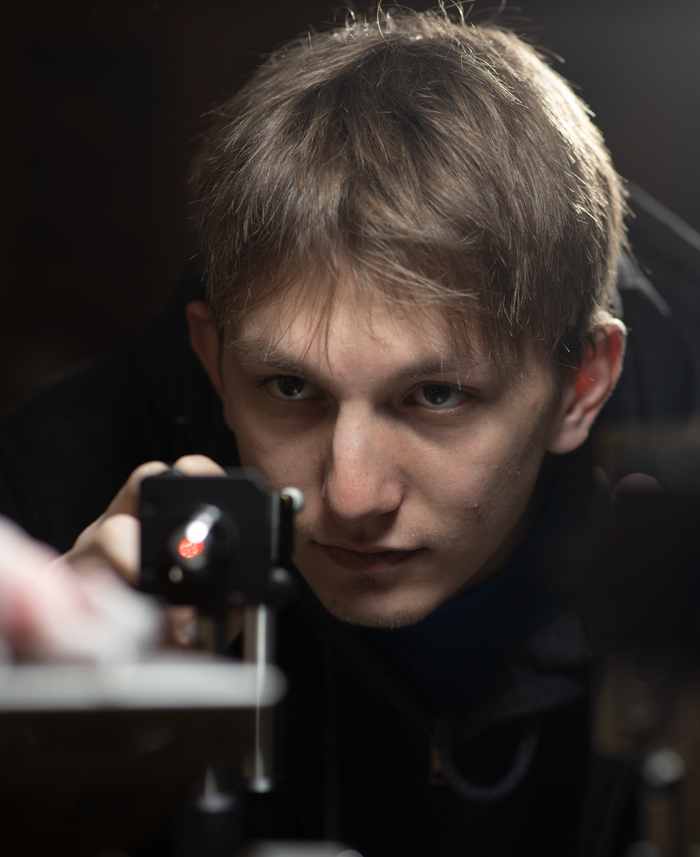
column 372, row 609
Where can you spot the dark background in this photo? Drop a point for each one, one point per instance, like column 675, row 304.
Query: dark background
column 102, row 105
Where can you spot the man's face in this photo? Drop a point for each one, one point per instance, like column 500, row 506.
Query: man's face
column 417, row 465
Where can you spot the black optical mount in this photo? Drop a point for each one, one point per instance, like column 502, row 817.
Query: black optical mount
column 218, row 543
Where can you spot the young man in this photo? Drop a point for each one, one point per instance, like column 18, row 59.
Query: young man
column 410, row 236
column 410, row 251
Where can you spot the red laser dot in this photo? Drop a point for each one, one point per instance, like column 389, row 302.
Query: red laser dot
column 189, row 549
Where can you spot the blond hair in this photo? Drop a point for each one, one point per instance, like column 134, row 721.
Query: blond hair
column 438, row 163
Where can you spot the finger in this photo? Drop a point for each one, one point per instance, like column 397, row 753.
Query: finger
column 127, row 500
column 198, row 465
column 115, row 540
column 181, row 623
column 183, row 631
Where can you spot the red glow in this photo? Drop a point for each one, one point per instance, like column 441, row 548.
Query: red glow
column 189, row 549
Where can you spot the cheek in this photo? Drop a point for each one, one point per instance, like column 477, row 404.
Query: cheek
column 490, row 477
column 283, row 460
column 514, row 473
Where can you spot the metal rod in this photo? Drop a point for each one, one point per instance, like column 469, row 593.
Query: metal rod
column 258, row 649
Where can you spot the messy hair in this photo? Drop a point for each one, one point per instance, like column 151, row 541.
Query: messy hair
column 435, row 164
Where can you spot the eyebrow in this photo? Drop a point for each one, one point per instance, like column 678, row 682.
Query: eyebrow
column 266, row 354
column 272, row 357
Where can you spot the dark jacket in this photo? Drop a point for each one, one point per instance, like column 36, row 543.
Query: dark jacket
column 364, row 760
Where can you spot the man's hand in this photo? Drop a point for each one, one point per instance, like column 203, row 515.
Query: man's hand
column 114, row 538
column 51, row 612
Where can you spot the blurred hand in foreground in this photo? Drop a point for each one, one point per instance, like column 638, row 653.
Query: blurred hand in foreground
column 52, row 611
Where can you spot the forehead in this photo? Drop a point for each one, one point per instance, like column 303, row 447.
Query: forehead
column 305, row 327
column 308, row 330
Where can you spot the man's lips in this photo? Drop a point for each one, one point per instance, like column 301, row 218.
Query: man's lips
column 370, row 561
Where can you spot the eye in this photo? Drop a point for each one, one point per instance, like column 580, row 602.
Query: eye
column 438, row 396
column 290, row 388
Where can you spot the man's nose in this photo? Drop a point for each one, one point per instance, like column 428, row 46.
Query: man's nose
column 362, row 478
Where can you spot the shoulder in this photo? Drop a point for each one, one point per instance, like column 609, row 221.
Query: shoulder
column 65, row 452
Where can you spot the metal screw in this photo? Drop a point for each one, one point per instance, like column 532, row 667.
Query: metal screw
column 663, row 768
column 295, row 496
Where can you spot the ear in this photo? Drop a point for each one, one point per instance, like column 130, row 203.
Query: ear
column 204, row 339
column 588, row 388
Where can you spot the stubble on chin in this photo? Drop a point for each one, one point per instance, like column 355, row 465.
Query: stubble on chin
column 369, row 601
